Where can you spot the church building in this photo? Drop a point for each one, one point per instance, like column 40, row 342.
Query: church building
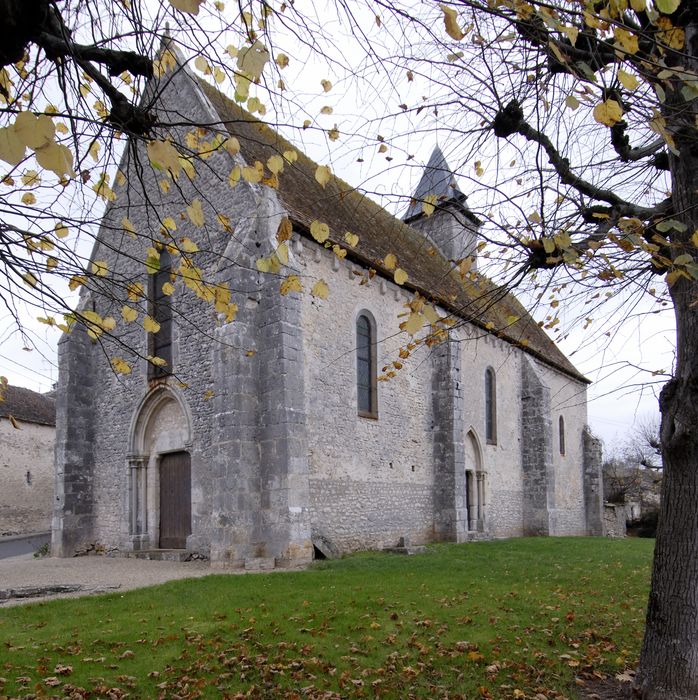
column 372, row 386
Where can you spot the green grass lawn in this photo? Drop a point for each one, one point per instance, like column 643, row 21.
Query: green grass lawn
column 505, row 619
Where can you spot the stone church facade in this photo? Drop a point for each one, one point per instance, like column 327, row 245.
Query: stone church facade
column 271, row 436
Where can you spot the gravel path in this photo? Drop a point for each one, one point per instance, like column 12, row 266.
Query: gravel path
column 94, row 574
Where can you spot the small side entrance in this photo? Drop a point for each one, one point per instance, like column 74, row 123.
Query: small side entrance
column 175, row 500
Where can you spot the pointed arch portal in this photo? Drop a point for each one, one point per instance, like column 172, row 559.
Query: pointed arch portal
column 474, row 483
column 160, row 471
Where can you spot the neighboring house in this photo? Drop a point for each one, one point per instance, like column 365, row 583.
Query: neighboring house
column 26, row 461
column 273, row 434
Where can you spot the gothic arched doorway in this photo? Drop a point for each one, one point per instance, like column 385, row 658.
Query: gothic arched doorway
column 160, row 512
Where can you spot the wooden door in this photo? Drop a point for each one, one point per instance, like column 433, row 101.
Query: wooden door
column 175, row 500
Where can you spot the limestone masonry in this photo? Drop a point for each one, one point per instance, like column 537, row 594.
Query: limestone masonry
column 273, row 437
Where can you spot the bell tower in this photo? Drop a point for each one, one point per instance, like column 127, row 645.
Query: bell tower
column 452, row 227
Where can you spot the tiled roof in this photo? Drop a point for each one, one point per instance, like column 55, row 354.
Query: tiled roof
column 28, row 406
column 344, row 208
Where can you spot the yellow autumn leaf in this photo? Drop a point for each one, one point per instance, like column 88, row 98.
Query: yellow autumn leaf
column 320, row 231
column 282, row 253
column 428, row 204
column 390, row 261
column 626, row 40
column 76, row 281
column 608, row 113
column 163, row 155
column 61, row 230
column 400, row 276
column 414, row 323
column 100, row 268
column 128, row 227
column 320, row 290
column 120, row 365
column 34, row 131
column 326, row 85
column 290, row 156
column 129, row 314
column 451, row 23
column 151, row 325
column 59, row 160
column 51, row 263
column 29, row 279
column 628, row 80
column 201, row 64
column 12, row 150
column 263, row 265
column 667, row 7
column 284, row 232
column 94, row 150
column 281, row 60
column 157, row 361
column 234, row 176
column 431, row 314
column 195, row 213
column 186, row 245
column 169, row 223
column 232, row 145
column 253, row 173
column 31, row 178
column 191, row 7
column 252, row 59
column 28, row 198
column 572, row 102
column 323, row 174
column 351, row 238
column 291, row 284
column 275, row 164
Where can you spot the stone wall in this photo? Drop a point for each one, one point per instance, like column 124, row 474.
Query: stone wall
column 26, row 477
column 614, row 520
column 568, row 399
column 501, row 458
column 350, row 457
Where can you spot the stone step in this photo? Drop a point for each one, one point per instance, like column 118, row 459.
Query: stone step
column 415, row 549
column 260, row 564
column 162, row 554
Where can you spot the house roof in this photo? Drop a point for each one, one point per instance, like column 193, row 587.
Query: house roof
column 28, row 406
column 344, row 208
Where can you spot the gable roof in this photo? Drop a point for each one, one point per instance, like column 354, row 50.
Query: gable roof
column 344, row 208
column 28, row 406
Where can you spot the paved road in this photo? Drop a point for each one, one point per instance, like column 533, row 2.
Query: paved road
column 23, row 544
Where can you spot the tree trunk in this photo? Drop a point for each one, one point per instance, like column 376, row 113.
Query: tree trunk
column 669, row 658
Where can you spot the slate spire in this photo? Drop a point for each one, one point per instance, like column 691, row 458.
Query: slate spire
column 437, row 179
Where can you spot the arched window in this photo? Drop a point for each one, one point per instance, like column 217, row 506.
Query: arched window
column 366, row 389
column 160, row 344
column 490, row 407
column 561, row 433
